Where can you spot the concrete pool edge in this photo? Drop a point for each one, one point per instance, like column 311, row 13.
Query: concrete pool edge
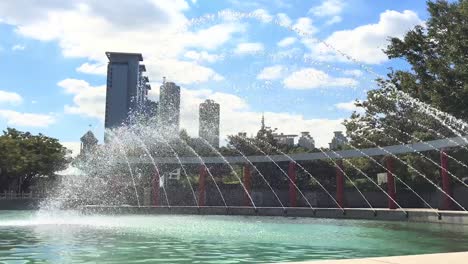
column 437, row 258
column 408, row 215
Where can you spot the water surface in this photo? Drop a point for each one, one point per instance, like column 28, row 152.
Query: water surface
column 68, row 237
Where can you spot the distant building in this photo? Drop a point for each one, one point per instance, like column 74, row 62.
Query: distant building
column 127, row 88
column 151, row 112
column 338, row 140
column 306, row 141
column 208, row 128
column 169, row 108
column 242, row 134
column 88, row 143
column 287, row 140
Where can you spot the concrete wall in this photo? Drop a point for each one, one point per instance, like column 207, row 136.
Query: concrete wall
column 235, row 196
column 19, row 204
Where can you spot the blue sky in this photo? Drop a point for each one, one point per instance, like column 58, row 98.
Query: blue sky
column 253, row 57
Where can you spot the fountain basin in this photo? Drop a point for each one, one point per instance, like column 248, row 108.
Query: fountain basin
column 70, row 236
column 407, row 215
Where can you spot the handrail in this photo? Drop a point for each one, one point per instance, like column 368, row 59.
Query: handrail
column 395, row 149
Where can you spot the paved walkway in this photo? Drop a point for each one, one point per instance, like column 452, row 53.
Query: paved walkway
column 449, row 258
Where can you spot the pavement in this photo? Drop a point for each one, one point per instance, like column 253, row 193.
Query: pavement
column 443, row 258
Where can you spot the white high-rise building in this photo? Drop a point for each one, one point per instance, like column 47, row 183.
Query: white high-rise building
column 208, row 128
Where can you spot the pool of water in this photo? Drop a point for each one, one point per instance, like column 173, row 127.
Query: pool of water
column 68, row 237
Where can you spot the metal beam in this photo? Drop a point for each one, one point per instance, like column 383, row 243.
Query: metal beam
column 396, row 149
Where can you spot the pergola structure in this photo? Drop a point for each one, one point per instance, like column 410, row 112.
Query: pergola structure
column 441, row 145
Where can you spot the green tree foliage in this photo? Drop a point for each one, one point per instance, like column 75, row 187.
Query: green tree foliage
column 24, row 157
column 437, row 54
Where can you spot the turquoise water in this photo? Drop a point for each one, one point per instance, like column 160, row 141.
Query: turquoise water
column 68, row 237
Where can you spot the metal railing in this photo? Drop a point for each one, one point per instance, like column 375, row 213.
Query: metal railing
column 12, row 195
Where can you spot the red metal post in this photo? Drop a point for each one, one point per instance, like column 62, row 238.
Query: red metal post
column 247, row 185
column 390, row 183
column 292, row 182
column 446, row 184
column 339, row 183
column 201, row 186
column 156, row 188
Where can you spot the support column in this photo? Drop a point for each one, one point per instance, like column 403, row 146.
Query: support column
column 201, row 185
column 292, row 182
column 339, row 183
column 446, row 183
column 390, row 183
column 247, row 185
column 156, row 188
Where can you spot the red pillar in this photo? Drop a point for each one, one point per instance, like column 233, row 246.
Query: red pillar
column 201, row 186
column 339, row 183
column 247, row 185
column 446, row 184
column 390, row 183
column 292, row 182
column 156, row 188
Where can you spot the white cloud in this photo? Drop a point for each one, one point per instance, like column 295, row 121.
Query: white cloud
column 349, row 106
column 283, row 20
column 262, row 15
column 304, row 26
column 328, row 8
column 310, row 78
column 10, row 97
column 271, row 73
column 355, row 73
column 286, row 42
column 202, row 56
column 334, row 20
column 14, row 118
column 95, row 68
column 365, row 43
column 90, row 28
column 236, row 116
column 249, row 48
column 18, row 47
column 88, row 100
column 183, row 72
column 74, row 146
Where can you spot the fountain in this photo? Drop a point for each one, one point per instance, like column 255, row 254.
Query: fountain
column 114, row 211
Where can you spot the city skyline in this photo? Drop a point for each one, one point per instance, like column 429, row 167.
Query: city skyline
column 297, row 83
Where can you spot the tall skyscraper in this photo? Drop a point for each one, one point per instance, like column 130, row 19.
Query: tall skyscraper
column 208, row 128
column 127, row 88
column 169, row 108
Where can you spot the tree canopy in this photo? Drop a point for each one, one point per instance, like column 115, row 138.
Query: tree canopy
column 24, row 157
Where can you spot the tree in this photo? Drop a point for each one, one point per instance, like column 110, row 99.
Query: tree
column 438, row 77
column 24, row 157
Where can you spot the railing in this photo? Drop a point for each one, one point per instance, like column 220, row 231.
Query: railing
column 11, row 195
column 397, row 149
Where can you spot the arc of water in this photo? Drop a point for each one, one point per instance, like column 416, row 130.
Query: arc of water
column 238, row 15
column 306, row 171
column 183, row 168
column 440, row 135
column 347, row 177
column 429, row 110
column 154, row 165
column 417, row 171
column 422, row 155
column 371, row 180
column 281, row 169
column 207, row 169
column 232, row 169
column 449, row 139
column 119, row 143
column 263, row 177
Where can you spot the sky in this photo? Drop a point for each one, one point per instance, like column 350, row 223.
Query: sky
column 300, row 63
